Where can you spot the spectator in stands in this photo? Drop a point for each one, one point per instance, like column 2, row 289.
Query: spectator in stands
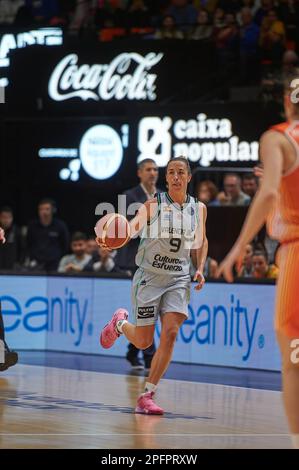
column 91, row 246
column 138, row 15
column 249, row 42
column 148, row 175
column 230, row 6
column 206, row 192
column 233, row 195
column 210, row 267
column 8, row 10
column 79, row 258
column 203, row 30
column 227, row 46
column 184, row 13
column 168, row 29
column 251, row 4
column 261, row 268
column 244, row 265
column 42, row 10
column 10, row 252
column 218, row 20
column 250, row 184
column 262, row 12
column 104, row 262
column 47, row 238
column 289, row 14
column 272, row 38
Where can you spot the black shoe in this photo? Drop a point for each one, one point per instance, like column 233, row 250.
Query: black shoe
column 11, row 358
column 135, row 363
column 147, row 363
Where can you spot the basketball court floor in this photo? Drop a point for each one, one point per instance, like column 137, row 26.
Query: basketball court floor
column 56, row 400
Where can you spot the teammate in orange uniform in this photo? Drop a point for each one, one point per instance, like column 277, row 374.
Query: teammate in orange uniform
column 277, row 202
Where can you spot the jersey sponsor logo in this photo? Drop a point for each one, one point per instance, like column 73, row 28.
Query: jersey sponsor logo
column 146, row 312
column 168, row 264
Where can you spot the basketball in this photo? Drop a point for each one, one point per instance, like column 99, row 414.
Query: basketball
column 113, row 230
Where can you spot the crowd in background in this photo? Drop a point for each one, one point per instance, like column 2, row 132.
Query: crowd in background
column 253, row 39
column 46, row 244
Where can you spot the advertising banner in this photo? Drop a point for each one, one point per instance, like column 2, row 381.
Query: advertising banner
column 228, row 325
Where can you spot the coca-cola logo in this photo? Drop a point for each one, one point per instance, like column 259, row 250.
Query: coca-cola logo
column 126, row 77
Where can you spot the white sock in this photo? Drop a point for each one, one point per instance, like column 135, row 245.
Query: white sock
column 150, row 387
column 119, row 326
column 295, row 441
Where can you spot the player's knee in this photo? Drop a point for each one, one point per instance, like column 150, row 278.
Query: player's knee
column 171, row 334
column 144, row 343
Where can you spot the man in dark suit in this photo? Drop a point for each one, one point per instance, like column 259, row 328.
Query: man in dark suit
column 148, row 175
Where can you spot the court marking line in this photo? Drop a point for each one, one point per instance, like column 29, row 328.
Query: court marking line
column 147, row 434
column 144, row 377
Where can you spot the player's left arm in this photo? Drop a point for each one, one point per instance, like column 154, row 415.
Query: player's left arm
column 272, row 158
column 202, row 247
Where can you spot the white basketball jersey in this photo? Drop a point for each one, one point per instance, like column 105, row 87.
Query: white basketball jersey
column 168, row 237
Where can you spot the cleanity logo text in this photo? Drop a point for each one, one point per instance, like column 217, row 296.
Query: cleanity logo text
column 65, row 314
column 229, row 325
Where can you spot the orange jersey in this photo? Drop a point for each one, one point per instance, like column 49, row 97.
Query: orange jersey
column 283, row 222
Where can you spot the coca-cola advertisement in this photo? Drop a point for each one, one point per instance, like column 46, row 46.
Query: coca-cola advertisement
column 90, row 80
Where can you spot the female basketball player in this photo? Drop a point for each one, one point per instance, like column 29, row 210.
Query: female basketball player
column 277, row 200
column 171, row 224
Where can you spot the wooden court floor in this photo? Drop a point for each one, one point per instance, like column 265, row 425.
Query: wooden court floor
column 46, row 407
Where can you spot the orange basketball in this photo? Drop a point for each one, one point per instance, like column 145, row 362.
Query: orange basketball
column 113, row 230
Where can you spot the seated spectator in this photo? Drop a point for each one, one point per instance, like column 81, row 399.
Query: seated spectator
column 8, row 10
column 203, row 30
column 261, row 268
column 218, row 20
column 227, row 45
column 92, row 246
column 250, row 184
column 168, row 29
column 79, row 258
column 183, row 12
column 206, row 192
column 42, row 10
column 272, row 38
column 249, row 43
column 10, row 251
column 233, row 195
column 262, row 12
column 104, row 262
column 138, row 15
column 244, row 265
column 210, row 266
column 47, row 238
column 289, row 13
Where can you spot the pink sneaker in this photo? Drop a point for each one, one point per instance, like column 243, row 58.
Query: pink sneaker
column 109, row 333
column 147, row 406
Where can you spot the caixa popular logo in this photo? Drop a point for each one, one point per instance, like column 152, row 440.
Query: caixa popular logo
column 67, row 314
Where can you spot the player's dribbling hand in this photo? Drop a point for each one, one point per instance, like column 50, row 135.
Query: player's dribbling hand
column 199, row 277
column 2, row 236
